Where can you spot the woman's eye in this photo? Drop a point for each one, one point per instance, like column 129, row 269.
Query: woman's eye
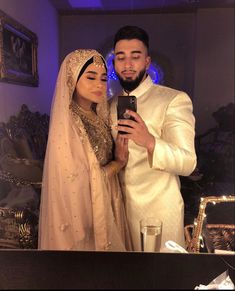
column 91, row 78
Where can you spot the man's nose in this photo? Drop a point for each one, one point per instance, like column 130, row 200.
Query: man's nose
column 128, row 64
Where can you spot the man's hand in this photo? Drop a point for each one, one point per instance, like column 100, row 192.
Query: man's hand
column 138, row 131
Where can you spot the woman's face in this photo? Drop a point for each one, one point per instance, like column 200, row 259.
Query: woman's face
column 91, row 86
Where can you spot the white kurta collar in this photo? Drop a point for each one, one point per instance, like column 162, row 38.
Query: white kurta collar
column 142, row 88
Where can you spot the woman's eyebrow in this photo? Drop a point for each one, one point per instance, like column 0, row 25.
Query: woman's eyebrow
column 95, row 73
column 91, row 72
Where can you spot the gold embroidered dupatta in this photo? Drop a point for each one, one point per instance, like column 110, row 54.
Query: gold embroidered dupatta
column 80, row 209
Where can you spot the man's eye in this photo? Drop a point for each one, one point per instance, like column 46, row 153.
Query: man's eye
column 120, row 59
column 136, row 57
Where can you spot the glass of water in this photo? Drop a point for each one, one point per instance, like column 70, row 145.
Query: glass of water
column 150, row 234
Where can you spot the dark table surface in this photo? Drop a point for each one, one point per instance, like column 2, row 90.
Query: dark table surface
column 33, row 269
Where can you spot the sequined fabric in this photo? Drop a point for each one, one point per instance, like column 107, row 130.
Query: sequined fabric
column 81, row 209
column 98, row 132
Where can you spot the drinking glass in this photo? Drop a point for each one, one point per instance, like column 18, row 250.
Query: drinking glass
column 150, row 234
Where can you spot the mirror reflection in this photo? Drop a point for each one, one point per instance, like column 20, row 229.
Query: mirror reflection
column 213, row 230
column 23, row 142
column 183, row 52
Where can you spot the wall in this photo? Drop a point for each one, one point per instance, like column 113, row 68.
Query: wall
column 214, row 64
column 171, row 40
column 41, row 18
column 195, row 51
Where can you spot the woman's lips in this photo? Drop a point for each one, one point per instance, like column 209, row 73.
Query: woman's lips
column 97, row 93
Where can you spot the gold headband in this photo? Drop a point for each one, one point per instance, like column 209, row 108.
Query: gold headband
column 98, row 62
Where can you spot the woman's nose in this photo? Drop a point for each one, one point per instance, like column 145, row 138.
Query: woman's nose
column 100, row 84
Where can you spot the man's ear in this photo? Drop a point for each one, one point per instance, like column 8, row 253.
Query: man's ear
column 148, row 61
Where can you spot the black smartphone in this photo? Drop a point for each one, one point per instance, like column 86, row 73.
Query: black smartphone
column 124, row 103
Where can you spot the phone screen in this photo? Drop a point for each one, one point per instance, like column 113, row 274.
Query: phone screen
column 124, row 103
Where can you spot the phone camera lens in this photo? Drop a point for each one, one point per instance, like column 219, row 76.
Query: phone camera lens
column 126, row 115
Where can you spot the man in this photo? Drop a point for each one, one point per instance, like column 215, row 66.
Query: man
column 160, row 140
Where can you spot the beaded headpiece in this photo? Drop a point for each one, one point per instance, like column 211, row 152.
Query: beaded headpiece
column 97, row 61
column 76, row 60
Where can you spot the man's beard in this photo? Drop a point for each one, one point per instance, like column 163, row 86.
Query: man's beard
column 130, row 85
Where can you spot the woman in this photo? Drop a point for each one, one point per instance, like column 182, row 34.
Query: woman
column 81, row 203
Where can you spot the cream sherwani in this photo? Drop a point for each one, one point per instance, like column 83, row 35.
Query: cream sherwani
column 151, row 184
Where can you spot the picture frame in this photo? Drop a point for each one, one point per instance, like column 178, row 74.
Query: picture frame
column 18, row 53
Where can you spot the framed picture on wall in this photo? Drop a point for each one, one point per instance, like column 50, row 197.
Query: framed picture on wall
column 18, row 53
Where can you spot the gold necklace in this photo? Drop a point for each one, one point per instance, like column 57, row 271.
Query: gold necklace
column 90, row 114
column 98, row 132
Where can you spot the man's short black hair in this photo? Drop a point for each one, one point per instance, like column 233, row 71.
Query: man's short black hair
column 132, row 32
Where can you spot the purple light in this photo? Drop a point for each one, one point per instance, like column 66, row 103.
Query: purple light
column 85, row 3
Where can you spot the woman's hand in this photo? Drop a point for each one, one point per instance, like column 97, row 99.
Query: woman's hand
column 121, row 150
column 121, row 157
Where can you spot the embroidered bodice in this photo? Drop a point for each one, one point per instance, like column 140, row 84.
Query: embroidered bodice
column 98, row 132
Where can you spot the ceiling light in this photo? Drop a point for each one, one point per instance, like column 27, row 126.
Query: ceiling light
column 85, row 3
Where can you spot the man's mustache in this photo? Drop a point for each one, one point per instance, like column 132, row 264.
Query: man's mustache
column 124, row 71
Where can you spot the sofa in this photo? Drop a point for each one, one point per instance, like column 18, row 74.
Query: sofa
column 23, row 140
